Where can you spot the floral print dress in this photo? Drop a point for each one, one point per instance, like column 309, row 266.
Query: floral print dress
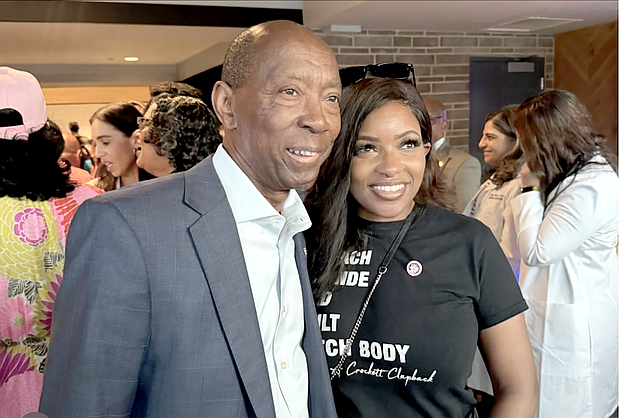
column 32, row 244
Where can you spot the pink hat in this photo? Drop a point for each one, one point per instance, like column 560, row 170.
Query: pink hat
column 22, row 104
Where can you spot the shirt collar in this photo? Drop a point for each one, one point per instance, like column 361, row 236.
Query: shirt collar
column 439, row 143
column 246, row 202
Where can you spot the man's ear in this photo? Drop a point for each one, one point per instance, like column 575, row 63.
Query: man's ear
column 446, row 126
column 222, row 98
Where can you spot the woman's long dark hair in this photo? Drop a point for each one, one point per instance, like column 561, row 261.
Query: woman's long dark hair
column 558, row 138
column 331, row 207
column 123, row 116
column 29, row 168
column 510, row 166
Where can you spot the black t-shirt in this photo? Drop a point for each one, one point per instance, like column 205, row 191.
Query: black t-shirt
column 414, row 350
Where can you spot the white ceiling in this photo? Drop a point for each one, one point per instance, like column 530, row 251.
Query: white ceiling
column 100, row 43
column 456, row 16
column 79, row 53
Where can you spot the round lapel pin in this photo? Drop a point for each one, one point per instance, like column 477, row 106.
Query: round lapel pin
column 414, row 268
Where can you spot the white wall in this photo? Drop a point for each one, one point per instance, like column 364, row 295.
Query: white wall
column 77, row 104
column 62, row 114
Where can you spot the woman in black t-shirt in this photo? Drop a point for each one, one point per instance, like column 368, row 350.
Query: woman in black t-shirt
column 401, row 343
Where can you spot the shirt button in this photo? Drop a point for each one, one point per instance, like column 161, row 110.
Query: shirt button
column 275, row 223
column 283, row 309
column 283, row 365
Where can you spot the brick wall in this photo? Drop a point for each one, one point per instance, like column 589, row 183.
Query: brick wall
column 441, row 61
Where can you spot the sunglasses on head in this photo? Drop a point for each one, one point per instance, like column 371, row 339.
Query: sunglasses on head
column 398, row 70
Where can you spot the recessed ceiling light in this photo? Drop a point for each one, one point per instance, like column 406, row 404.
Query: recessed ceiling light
column 132, row 59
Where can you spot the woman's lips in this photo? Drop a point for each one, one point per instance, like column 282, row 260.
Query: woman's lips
column 389, row 191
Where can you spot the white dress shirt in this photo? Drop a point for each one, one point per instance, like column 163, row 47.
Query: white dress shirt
column 269, row 251
column 437, row 144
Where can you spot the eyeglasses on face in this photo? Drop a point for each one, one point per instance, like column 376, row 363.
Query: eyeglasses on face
column 398, row 70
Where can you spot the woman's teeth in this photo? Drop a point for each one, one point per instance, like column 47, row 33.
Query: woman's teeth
column 393, row 188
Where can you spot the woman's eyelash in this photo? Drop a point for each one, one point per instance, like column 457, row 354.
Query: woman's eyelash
column 359, row 148
column 412, row 143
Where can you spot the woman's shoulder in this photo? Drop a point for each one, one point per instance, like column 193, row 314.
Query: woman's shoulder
column 442, row 219
column 597, row 174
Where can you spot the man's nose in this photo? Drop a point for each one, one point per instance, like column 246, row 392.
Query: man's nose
column 314, row 117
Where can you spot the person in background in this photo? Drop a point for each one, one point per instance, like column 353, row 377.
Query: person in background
column 112, row 128
column 174, row 89
column 400, row 336
column 199, row 303
column 489, row 205
column 37, row 202
column 71, row 151
column 74, row 127
column 71, row 157
column 460, row 169
column 176, row 133
column 502, row 153
column 566, row 222
column 87, row 148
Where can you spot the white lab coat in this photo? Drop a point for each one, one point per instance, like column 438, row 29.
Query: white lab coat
column 490, row 205
column 569, row 278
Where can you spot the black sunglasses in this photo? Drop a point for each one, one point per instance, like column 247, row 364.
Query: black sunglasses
column 398, row 70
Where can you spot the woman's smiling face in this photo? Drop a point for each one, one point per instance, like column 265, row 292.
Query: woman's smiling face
column 494, row 144
column 388, row 163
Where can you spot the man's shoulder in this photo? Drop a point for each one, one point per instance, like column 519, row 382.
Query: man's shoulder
column 164, row 186
column 201, row 177
column 454, row 152
column 461, row 159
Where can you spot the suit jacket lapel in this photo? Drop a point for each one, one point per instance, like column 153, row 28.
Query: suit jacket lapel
column 442, row 155
column 219, row 250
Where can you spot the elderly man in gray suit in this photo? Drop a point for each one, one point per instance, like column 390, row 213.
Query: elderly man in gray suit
column 461, row 169
column 188, row 296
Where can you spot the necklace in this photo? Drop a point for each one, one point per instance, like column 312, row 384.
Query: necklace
column 383, row 267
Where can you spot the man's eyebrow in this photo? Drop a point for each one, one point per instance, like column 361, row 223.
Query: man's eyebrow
column 334, row 83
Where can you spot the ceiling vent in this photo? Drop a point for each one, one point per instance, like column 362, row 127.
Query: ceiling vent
column 532, row 24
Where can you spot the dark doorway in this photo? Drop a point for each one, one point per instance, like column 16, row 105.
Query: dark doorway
column 497, row 82
column 204, row 81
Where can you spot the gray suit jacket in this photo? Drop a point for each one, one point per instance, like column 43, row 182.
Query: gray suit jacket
column 462, row 171
column 155, row 317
